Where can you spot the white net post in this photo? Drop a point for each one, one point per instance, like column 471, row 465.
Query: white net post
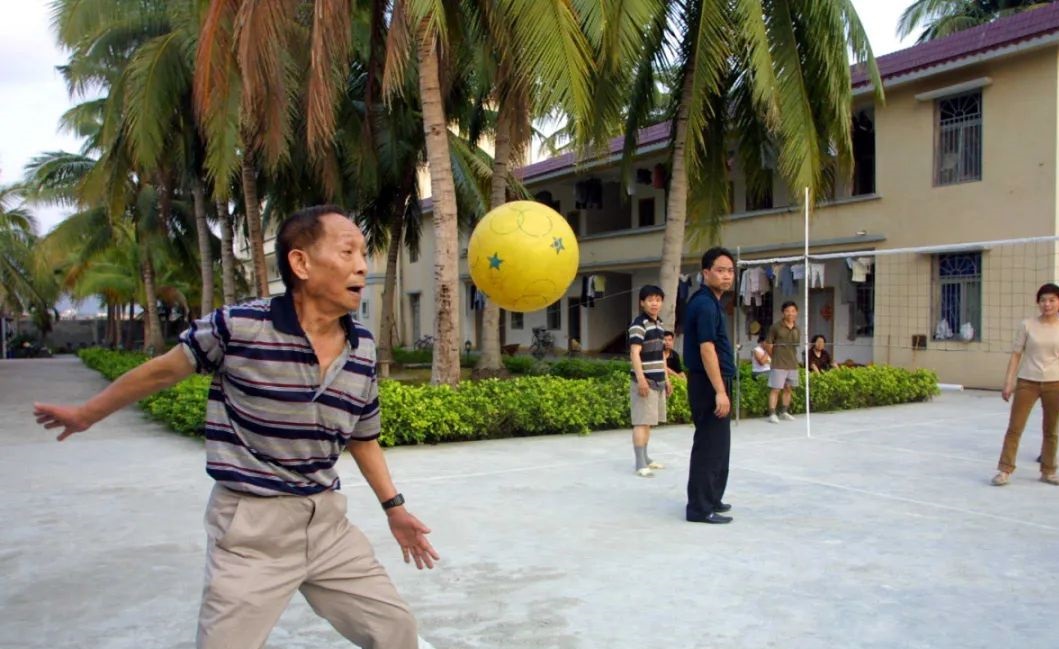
column 737, row 344
column 805, row 309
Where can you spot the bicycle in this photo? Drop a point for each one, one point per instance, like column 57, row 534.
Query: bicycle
column 543, row 343
column 424, row 343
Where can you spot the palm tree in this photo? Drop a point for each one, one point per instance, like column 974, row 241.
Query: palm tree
column 21, row 287
column 938, row 18
column 764, row 75
column 544, row 45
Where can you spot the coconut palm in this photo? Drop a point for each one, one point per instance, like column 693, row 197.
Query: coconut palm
column 20, row 287
column 760, row 75
column 938, row 18
column 539, row 42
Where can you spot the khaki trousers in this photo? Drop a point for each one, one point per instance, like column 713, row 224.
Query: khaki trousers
column 1026, row 394
column 262, row 549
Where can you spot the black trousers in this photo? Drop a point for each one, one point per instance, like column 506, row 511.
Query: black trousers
column 711, row 450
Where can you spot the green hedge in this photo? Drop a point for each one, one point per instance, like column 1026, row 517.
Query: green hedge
column 844, row 388
column 595, row 399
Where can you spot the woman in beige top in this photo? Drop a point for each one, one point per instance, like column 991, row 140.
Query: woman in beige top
column 1033, row 373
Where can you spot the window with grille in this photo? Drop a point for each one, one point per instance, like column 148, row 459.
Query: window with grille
column 958, row 149
column 555, row 315
column 958, row 297
column 863, row 321
column 517, row 320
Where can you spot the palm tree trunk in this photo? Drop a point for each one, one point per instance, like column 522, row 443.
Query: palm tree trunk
column 445, row 368
column 227, row 252
column 253, row 225
column 152, row 334
column 202, row 225
column 388, row 326
column 129, row 333
column 676, row 209
column 117, row 325
column 490, row 363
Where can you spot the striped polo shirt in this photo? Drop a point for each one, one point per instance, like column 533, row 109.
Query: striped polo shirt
column 272, row 426
column 649, row 334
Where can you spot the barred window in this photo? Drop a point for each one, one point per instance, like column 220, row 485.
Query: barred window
column 958, row 297
column 517, row 321
column 958, row 145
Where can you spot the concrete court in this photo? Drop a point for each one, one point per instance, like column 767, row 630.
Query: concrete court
column 881, row 531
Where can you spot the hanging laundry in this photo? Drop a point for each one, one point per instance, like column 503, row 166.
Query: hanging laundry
column 846, row 288
column 861, row 267
column 798, row 271
column 588, row 296
column 683, row 291
column 753, row 285
column 786, row 280
column 816, row 275
column 599, row 285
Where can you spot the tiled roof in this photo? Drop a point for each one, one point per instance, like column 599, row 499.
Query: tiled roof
column 647, row 136
column 650, row 135
column 1001, row 33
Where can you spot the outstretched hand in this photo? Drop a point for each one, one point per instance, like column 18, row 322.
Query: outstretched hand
column 69, row 418
column 411, row 533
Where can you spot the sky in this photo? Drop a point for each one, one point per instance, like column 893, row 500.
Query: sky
column 33, row 96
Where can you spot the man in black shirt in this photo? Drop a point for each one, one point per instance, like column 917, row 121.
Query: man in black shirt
column 711, row 366
column 673, row 365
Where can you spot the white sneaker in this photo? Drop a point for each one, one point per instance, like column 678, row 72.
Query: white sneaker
column 773, row 419
column 655, row 465
column 645, row 473
column 787, row 416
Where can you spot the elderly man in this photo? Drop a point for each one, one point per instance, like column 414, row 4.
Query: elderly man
column 293, row 384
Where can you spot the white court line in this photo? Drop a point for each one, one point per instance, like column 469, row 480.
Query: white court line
column 913, row 501
column 914, row 424
column 911, row 451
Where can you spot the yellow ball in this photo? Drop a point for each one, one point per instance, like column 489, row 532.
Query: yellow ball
column 523, row 256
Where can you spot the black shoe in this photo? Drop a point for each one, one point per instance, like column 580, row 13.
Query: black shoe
column 722, row 508
column 1038, row 459
column 714, row 519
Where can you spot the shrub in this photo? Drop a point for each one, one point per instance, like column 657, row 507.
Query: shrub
column 415, row 356
column 181, row 407
column 519, row 364
column 536, row 405
column 844, row 388
column 583, row 368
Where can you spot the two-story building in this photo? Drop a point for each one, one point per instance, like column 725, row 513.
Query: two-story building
column 965, row 149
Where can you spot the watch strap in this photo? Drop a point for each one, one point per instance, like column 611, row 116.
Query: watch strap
column 396, row 501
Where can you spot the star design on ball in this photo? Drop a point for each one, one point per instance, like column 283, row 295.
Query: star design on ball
column 495, row 261
column 557, row 243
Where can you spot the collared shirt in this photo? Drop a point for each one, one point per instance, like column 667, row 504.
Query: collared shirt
column 706, row 323
column 785, row 342
column 273, row 427
column 1039, row 345
column 650, row 335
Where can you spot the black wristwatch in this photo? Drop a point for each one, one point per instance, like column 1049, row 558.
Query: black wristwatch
column 396, row 501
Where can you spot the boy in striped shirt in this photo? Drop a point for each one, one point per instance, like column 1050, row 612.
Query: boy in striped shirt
column 650, row 384
column 293, row 385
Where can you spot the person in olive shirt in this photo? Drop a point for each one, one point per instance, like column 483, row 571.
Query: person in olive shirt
column 710, row 369
column 782, row 345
